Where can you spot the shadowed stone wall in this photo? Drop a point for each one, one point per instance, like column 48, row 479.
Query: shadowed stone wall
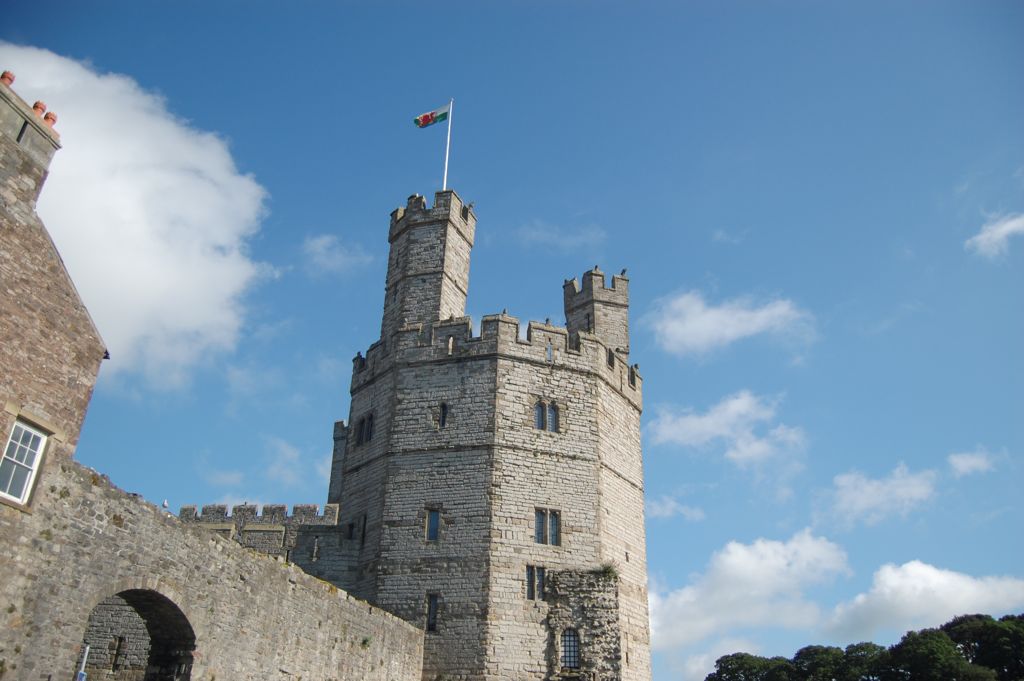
column 254, row 616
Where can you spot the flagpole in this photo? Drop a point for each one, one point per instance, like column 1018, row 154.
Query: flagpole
column 448, row 145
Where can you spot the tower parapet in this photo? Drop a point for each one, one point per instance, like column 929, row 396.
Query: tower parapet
column 595, row 308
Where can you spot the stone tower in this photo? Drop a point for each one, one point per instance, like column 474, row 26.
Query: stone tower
column 491, row 488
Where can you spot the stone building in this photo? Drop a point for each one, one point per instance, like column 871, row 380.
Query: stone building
column 485, row 504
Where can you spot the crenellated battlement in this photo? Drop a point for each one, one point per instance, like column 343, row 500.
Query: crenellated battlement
column 273, row 514
column 544, row 343
column 447, row 206
column 594, row 287
column 272, row 532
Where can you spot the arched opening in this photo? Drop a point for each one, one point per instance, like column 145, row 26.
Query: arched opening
column 139, row 635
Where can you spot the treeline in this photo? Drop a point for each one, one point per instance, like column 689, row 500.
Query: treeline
column 967, row 648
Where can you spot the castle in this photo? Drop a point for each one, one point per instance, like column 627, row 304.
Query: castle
column 485, row 505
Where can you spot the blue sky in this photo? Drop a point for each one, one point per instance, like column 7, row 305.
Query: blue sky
column 820, row 204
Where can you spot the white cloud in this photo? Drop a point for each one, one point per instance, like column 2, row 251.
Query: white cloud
column 284, row 463
column 563, row 239
column 758, row 584
column 858, row 498
column 684, row 324
column 916, row 595
column 742, row 422
column 150, row 214
column 325, row 254
column 992, row 240
column 223, row 478
column 724, row 237
column 323, row 468
column 668, row 507
column 969, row 463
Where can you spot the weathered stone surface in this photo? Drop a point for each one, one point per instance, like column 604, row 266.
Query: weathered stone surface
column 253, row 616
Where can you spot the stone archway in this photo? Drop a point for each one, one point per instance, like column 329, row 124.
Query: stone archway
column 139, row 635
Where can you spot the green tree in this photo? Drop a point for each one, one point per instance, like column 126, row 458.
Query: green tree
column 862, row 662
column 931, row 655
column 818, row 663
column 747, row 667
column 997, row 645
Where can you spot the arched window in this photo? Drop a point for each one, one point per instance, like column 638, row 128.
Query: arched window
column 553, row 417
column 539, row 417
column 442, row 418
column 570, row 649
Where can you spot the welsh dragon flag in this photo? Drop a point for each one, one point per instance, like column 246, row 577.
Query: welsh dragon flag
column 431, row 117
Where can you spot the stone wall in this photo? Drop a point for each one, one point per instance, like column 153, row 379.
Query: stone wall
column 50, row 350
column 273, row 532
column 253, row 616
column 587, row 602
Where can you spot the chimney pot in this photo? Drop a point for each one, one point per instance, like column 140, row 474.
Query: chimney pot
column 50, row 118
column 7, row 78
column 39, row 107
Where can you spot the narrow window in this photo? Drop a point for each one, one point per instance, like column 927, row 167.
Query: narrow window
column 369, row 427
column 611, row 358
column 351, row 533
column 553, row 417
column 540, row 526
column 442, row 418
column 362, row 535
column 360, row 431
column 632, row 377
column 315, row 555
column 433, row 524
column 431, row 612
column 570, row 649
column 550, row 353
column 21, row 462
column 451, row 344
column 530, row 576
column 555, row 528
column 586, row 325
column 21, row 133
column 539, row 415
column 540, row 584
column 119, row 653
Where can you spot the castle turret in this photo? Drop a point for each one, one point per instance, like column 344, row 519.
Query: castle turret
column 599, row 310
column 428, row 267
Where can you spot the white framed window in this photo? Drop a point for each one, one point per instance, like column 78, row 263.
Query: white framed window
column 20, row 463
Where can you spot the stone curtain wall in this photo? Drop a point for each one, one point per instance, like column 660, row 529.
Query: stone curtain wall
column 254, row 616
column 272, row 532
